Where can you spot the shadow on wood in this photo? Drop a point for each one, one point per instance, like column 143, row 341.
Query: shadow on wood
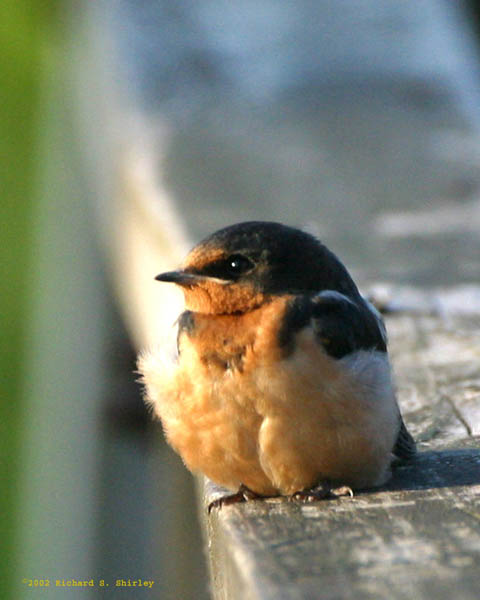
column 430, row 470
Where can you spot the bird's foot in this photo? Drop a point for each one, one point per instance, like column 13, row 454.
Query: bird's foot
column 344, row 490
column 321, row 491
column 244, row 494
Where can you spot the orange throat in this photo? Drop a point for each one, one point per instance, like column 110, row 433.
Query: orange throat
column 213, row 297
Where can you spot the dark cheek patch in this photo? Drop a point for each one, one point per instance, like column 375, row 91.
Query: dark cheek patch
column 186, row 325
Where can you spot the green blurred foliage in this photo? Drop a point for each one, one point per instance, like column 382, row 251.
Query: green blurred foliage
column 30, row 32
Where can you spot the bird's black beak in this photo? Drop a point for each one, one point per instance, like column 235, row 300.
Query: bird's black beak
column 178, row 277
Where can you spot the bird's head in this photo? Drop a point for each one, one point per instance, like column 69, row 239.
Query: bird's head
column 238, row 268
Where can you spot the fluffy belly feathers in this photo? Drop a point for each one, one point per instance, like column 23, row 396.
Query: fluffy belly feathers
column 244, row 413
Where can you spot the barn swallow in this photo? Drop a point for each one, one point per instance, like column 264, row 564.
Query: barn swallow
column 282, row 384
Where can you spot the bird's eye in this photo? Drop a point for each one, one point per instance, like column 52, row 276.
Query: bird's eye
column 238, row 264
column 230, row 268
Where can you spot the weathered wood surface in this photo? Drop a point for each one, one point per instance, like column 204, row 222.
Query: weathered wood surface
column 417, row 537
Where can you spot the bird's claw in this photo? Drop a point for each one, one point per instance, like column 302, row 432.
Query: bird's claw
column 344, row 490
column 321, row 492
column 244, row 494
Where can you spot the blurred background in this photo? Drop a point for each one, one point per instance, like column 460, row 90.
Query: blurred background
column 131, row 129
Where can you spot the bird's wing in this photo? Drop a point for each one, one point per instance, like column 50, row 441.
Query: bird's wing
column 344, row 326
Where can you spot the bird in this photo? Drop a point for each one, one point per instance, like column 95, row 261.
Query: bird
column 281, row 385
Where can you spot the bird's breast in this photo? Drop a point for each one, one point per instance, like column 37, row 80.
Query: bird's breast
column 242, row 408
column 236, row 343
